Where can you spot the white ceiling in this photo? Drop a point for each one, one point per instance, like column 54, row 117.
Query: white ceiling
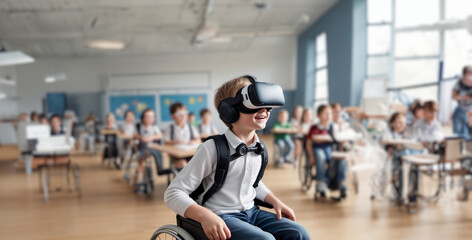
column 63, row 27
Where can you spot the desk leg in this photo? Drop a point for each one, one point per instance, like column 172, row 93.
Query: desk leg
column 45, row 181
column 68, row 172
column 406, row 180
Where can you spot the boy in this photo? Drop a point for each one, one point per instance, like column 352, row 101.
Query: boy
column 206, row 128
column 230, row 212
column 284, row 139
column 427, row 131
column 180, row 132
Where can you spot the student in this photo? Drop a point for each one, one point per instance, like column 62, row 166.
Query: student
column 319, row 152
column 180, row 132
column 296, row 122
column 55, row 123
column 43, row 120
column 111, row 149
column 191, row 119
column 147, row 133
column 462, row 93
column 396, row 131
column 284, row 140
column 34, row 117
column 307, row 121
column 230, row 212
column 339, row 124
column 128, row 128
column 428, row 131
column 206, row 128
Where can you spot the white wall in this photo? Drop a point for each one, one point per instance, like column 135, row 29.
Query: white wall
column 9, row 105
column 276, row 65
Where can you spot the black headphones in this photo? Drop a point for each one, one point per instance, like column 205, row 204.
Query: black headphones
column 242, row 149
column 227, row 109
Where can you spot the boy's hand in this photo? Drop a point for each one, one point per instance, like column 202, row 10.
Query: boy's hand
column 215, row 228
column 283, row 210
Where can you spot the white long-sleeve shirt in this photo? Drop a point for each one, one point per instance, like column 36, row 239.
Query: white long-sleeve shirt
column 237, row 193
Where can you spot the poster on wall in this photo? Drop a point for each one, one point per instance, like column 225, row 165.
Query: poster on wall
column 193, row 102
column 120, row 104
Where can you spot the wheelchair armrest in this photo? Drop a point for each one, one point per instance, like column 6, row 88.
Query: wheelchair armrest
column 193, row 227
column 260, row 203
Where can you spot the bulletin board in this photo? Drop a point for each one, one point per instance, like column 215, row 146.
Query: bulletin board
column 193, row 102
column 138, row 103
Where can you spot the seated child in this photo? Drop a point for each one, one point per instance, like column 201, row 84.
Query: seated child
column 128, row 128
column 296, row 123
column 206, row 128
column 319, row 152
column 230, row 212
column 43, row 120
column 396, row 131
column 56, row 125
column 111, row 149
column 180, row 132
column 192, row 120
column 428, row 131
column 283, row 140
column 307, row 121
column 148, row 132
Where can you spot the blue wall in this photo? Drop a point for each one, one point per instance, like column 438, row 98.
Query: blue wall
column 345, row 28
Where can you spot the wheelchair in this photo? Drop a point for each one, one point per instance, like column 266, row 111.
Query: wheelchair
column 188, row 229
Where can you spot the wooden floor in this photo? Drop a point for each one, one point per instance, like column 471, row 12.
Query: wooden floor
column 109, row 209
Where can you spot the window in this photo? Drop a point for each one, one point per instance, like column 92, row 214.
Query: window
column 457, row 52
column 321, row 72
column 458, row 9
column 379, row 30
column 410, row 13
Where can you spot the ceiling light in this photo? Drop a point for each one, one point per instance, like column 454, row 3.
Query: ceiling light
column 106, row 45
column 14, row 58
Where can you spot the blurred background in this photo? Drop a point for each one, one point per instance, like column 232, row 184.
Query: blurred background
column 72, row 70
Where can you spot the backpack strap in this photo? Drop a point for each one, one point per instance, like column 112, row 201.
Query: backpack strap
column 172, row 132
column 138, row 128
column 265, row 160
column 192, row 136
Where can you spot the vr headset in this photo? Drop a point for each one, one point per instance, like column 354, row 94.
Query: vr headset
column 251, row 99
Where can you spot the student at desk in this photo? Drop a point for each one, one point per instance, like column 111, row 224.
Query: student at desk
column 147, row 133
column 283, row 140
column 111, row 149
column 296, row 123
column 55, row 123
column 428, row 131
column 180, row 132
column 396, row 131
column 319, row 152
column 128, row 128
column 206, row 128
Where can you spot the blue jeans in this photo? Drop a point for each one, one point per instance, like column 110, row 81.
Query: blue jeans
column 258, row 224
column 286, row 147
column 329, row 170
column 460, row 123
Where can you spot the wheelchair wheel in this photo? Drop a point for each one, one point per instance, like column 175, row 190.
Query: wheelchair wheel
column 171, row 232
column 304, row 172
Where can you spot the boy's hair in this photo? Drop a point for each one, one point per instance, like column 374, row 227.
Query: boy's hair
column 417, row 107
column 54, row 116
column 191, row 114
column 335, row 105
column 144, row 113
column 394, row 117
column 42, row 116
column 321, row 108
column 33, row 115
column 128, row 112
column 229, row 90
column 282, row 111
column 466, row 69
column 176, row 106
column 431, row 106
column 204, row 111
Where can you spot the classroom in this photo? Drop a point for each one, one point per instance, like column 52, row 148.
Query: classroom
column 235, row 119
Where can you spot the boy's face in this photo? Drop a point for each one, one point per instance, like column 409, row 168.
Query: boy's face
column 419, row 113
column 307, row 116
column 206, row 118
column 110, row 120
column 149, row 118
column 429, row 115
column 298, row 112
column 467, row 78
column 399, row 124
column 191, row 118
column 336, row 114
column 43, row 121
column 325, row 115
column 56, row 124
column 282, row 117
column 129, row 118
column 180, row 116
column 253, row 121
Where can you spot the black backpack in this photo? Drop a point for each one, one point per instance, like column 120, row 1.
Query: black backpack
column 222, row 165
